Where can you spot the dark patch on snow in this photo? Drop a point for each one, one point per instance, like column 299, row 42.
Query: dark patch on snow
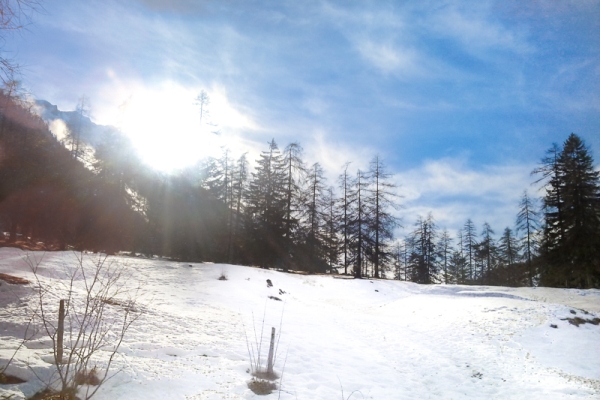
column 14, row 280
column 581, row 321
column 478, row 375
column 489, row 294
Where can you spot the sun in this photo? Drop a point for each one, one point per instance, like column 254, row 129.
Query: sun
column 165, row 126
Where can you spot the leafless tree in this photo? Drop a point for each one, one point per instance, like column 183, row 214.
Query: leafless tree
column 14, row 16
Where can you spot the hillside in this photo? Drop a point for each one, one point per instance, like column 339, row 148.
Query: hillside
column 371, row 339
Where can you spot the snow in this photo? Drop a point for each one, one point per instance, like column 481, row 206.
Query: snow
column 379, row 339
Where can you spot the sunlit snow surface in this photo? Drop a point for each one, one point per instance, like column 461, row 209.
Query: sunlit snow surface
column 379, row 339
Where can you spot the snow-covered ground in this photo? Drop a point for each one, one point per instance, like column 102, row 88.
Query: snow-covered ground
column 368, row 339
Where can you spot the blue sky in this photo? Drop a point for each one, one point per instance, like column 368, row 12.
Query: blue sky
column 460, row 98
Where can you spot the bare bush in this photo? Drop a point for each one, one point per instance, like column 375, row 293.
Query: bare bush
column 99, row 308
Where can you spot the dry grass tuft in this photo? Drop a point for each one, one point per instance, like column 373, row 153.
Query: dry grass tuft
column 10, row 379
column 126, row 305
column 87, row 378
column 261, row 386
column 266, row 375
column 15, row 280
column 49, row 394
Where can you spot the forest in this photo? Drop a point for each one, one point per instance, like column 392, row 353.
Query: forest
column 279, row 212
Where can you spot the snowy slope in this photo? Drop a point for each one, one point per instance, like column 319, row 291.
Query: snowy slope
column 378, row 339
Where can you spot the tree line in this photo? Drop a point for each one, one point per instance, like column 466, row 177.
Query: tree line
column 282, row 213
column 555, row 240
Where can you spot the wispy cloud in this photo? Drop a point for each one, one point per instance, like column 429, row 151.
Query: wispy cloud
column 388, row 58
column 477, row 30
column 178, row 6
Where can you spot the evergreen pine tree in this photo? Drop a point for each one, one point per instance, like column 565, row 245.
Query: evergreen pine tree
column 314, row 205
column 572, row 210
column 239, row 187
column 424, row 255
column 508, row 247
column 266, row 209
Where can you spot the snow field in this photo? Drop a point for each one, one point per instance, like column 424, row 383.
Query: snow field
column 382, row 339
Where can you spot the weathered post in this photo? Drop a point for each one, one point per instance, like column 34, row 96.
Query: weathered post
column 60, row 332
column 271, row 346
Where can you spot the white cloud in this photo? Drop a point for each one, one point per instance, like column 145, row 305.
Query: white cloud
column 454, row 192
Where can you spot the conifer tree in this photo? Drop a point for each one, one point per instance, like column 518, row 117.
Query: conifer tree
column 345, row 205
column 469, row 246
column 398, row 261
column 424, row 255
column 508, row 247
column 410, row 272
column 486, row 253
column 360, row 221
column 239, row 186
column 314, row 204
column 445, row 252
column 330, row 227
column 295, row 172
column 266, row 209
column 382, row 200
column 528, row 225
column 458, row 272
column 551, row 174
column 572, row 209
column 216, row 177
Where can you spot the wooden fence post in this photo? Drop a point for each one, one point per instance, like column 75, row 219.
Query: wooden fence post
column 60, row 332
column 271, row 346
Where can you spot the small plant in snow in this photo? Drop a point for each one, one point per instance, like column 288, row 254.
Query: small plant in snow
column 263, row 374
column 223, row 276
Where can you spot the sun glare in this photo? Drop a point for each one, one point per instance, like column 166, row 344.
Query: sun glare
column 164, row 125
